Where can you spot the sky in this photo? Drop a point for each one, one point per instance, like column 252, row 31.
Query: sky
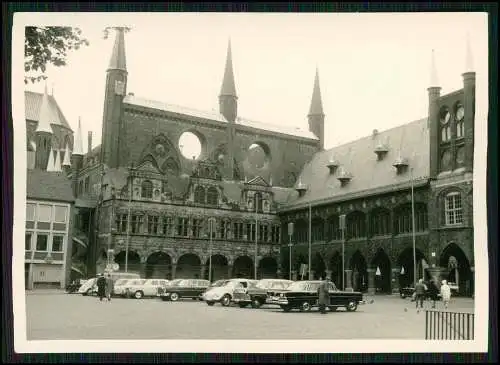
column 374, row 68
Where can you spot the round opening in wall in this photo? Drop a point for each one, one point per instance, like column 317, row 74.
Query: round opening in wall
column 190, row 145
column 257, row 156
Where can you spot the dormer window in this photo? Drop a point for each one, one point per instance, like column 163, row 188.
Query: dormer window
column 381, row 150
column 301, row 188
column 332, row 165
column 344, row 177
column 401, row 165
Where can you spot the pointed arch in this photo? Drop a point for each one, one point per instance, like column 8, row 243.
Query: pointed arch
column 383, row 274
column 358, row 265
column 199, row 194
column 457, row 269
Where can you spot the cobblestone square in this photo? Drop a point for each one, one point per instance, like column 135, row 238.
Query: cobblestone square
column 54, row 316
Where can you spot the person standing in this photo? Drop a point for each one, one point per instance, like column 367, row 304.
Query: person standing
column 110, row 284
column 101, row 286
column 323, row 296
column 445, row 293
column 433, row 292
column 420, row 290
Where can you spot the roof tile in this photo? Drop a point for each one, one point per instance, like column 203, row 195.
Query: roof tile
column 44, row 185
column 33, row 104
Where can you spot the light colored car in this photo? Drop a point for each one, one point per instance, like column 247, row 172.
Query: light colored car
column 89, row 287
column 223, row 293
column 257, row 293
column 139, row 288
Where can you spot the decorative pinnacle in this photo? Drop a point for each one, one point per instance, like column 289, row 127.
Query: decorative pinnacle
column 228, row 85
column 469, row 61
column 434, row 76
column 78, row 145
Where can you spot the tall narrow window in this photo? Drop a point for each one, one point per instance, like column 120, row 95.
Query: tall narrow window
column 167, row 226
column 27, row 241
column 317, row 230
column 459, row 117
column 182, row 226
column 42, row 242
column 275, row 232
column 445, row 118
column 197, row 227
column 137, row 223
column 263, row 232
column 258, row 202
column 380, row 222
column 57, row 243
column 121, row 223
column 223, row 225
column 153, row 224
column 251, row 232
column 147, row 189
column 199, row 195
column 238, row 230
column 453, row 209
column 30, row 212
column 212, row 196
column 356, row 227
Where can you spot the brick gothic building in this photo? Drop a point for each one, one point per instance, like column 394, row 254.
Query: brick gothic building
column 138, row 196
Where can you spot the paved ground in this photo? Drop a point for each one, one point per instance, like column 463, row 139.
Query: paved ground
column 55, row 316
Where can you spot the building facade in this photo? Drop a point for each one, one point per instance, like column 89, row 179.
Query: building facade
column 143, row 205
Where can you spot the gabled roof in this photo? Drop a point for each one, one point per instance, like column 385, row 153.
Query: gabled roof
column 368, row 175
column 33, row 104
column 52, row 186
column 259, row 181
column 216, row 117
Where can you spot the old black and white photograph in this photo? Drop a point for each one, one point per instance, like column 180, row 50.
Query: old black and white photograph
column 250, row 182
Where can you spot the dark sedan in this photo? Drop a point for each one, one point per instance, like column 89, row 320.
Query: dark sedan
column 303, row 295
column 183, row 288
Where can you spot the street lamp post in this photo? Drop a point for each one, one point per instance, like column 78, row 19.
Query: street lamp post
column 256, row 238
column 290, row 234
column 413, row 230
column 211, row 222
column 342, row 229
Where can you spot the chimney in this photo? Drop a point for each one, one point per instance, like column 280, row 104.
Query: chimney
column 89, row 141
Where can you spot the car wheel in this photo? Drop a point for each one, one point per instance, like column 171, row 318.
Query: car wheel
column 351, row 306
column 402, row 295
column 226, row 300
column 242, row 305
column 88, row 292
column 305, row 307
column 210, row 303
column 174, row 297
column 138, row 294
column 286, row 308
column 256, row 303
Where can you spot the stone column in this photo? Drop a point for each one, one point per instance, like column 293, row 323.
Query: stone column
column 371, row 281
column 395, row 280
column 435, row 273
column 174, row 268
column 348, row 280
column 229, row 271
column 202, row 271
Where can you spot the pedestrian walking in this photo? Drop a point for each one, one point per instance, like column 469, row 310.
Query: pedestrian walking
column 101, row 286
column 445, row 293
column 110, row 284
column 433, row 292
column 420, row 290
column 323, row 296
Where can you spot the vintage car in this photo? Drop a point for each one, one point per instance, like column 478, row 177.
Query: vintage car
column 223, row 293
column 256, row 294
column 138, row 288
column 182, row 288
column 89, row 287
column 303, row 295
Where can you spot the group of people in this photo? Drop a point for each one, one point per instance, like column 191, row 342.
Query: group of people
column 105, row 285
column 421, row 292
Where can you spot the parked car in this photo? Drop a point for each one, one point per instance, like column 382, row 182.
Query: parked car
column 223, row 293
column 182, row 288
column 407, row 292
column 256, row 293
column 303, row 295
column 74, row 286
column 212, row 285
column 89, row 287
column 116, row 275
column 139, row 288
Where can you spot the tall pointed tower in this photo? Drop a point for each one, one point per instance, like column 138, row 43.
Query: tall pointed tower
column 77, row 158
column 316, row 117
column 116, row 86
column 469, row 80
column 43, row 134
column 434, row 92
column 228, row 105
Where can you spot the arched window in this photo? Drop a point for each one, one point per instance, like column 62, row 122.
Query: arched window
column 404, row 219
column 459, row 120
column 212, row 196
column 199, row 195
column 356, row 225
column 147, row 189
column 380, row 222
column 445, row 120
column 258, row 202
column 453, row 209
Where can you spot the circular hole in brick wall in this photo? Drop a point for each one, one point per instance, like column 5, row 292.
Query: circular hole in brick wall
column 190, row 145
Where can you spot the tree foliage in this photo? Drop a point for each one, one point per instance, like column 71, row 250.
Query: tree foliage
column 48, row 45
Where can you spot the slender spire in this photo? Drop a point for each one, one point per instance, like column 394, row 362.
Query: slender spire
column 118, row 60
column 50, row 162
column 469, row 61
column 45, row 115
column 78, row 145
column 434, row 76
column 57, row 161
column 228, row 86
column 316, row 102
column 67, row 159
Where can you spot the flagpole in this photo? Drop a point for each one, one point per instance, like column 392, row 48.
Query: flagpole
column 310, row 239
column 413, row 230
